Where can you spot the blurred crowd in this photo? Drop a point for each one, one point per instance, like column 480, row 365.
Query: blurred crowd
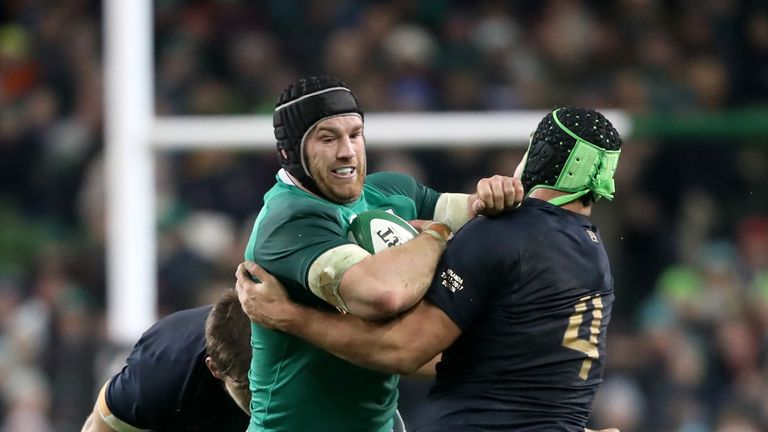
column 687, row 233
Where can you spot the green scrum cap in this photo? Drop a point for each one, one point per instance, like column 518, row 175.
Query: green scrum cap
column 589, row 168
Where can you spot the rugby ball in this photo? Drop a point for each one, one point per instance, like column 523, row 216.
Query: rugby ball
column 376, row 230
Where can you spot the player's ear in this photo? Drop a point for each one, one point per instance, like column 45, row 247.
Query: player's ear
column 212, row 367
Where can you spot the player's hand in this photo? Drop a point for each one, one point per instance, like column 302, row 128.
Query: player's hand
column 265, row 302
column 419, row 224
column 496, row 194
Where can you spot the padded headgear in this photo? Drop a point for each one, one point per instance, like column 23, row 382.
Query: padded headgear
column 299, row 108
column 573, row 150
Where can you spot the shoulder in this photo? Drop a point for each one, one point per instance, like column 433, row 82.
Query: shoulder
column 390, row 176
column 499, row 236
column 495, row 228
column 392, row 183
column 287, row 206
column 389, row 180
column 284, row 220
column 530, row 219
column 158, row 359
column 178, row 328
column 526, row 231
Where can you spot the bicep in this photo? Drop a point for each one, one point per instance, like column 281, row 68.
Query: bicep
column 393, row 280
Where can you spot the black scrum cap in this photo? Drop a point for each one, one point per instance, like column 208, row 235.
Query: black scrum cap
column 299, row 108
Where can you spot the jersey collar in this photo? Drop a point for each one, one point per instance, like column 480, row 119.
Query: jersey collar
column 283, row 177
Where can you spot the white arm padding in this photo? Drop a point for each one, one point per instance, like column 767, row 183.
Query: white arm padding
column 326, row 272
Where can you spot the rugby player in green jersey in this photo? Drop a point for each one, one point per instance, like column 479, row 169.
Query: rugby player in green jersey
column 300, row 236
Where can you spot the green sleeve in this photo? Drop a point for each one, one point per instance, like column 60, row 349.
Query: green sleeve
column 394, row 183
column 289, row 238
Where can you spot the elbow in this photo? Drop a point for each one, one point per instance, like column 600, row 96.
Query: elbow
column 405, row 362
column 372, row 297
column 385, row 304
column 376, row 302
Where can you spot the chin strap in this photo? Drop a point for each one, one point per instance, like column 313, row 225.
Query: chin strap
column 565, row 199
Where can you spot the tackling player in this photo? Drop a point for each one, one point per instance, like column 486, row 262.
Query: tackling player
column 300, row 235
column 519, row 305
column 187, row 373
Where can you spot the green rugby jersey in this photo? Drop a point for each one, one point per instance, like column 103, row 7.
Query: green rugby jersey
column 296, row 386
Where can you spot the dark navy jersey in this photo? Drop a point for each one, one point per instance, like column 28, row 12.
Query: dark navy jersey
column 532, row 292
column 166, row 386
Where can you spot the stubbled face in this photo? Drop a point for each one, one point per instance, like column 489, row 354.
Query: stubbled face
column 335, row 151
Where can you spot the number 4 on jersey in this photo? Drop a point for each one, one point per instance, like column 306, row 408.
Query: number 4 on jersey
column 571, row 338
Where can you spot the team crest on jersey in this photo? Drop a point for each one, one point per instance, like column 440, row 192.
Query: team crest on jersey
column 592, row 236
column 451, row 280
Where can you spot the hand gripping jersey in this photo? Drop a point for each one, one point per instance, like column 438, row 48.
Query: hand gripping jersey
column 532, row 292
column 296, row 386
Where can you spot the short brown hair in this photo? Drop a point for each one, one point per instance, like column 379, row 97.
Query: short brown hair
column 228, row 337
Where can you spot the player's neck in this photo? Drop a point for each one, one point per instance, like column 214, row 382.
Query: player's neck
column 297, row 183
column 575, row 206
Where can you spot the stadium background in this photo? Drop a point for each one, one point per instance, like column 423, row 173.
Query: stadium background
column 687, row 233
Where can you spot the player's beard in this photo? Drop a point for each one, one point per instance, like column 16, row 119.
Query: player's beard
column 340, row 191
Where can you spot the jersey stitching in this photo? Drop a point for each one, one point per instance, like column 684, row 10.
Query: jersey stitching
column 273, row 385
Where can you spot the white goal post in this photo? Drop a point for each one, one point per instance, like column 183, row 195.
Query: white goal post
column 391, row 130
column 134, row 135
